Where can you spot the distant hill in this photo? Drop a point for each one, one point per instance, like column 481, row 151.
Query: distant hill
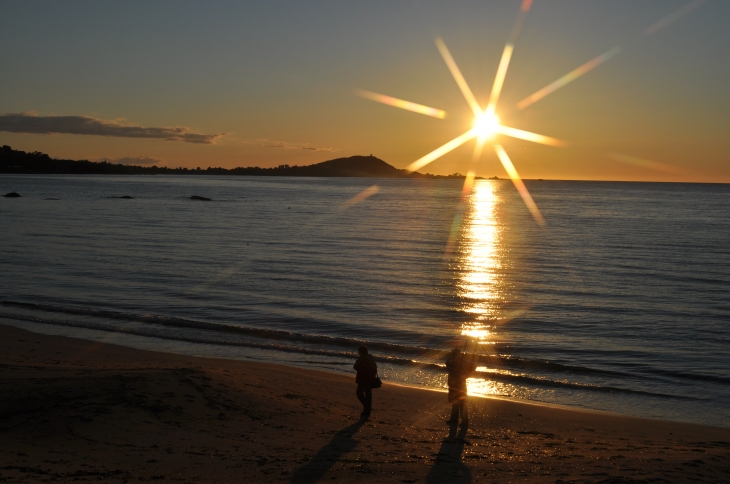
column 15, row 161
column 365, row 166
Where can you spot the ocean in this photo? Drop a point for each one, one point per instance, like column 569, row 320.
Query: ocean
column 620, row 303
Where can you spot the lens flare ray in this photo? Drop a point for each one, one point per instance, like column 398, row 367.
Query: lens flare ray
column 468, row 183
column 458, row 77
column 519, row 184
column 400, row 103
column 441, row 151
column 568, row 78
column 506, row 57
column 524, row 8
column 648, row 164
column 478, row 148
column 597, row 61
column 360, row 197
column 672, row 17
column 528, row 136
column 499, row 78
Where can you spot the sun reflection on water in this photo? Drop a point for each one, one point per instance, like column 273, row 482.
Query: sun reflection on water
column 480, row 262
column 480, row 285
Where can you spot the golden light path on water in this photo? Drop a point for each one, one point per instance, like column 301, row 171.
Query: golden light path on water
column 480, row 285
column 480, row 261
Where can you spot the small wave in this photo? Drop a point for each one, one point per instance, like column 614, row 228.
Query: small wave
column 494, row 376
column 691, row 376
column 491, row 360
column 229, row 328
column 523, row 363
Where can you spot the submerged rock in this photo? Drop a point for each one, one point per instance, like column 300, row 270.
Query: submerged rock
column 198, row 197
column 12, row 195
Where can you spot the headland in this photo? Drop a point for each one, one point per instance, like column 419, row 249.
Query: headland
column 21, row 162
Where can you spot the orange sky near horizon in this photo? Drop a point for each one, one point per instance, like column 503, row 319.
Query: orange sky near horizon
column 265, row 84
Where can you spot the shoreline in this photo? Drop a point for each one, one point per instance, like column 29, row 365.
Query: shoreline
column 104, row 338
column 100, row 336
column 83, row 410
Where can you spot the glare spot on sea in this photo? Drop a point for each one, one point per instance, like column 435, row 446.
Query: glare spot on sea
column 480, row 263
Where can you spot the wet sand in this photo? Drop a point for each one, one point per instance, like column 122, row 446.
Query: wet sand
column 73, row 410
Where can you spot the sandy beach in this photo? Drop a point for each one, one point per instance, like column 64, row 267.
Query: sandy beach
column 74, row 410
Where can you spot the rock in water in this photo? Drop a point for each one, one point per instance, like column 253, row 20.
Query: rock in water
column 198, row 197
column 12, row 195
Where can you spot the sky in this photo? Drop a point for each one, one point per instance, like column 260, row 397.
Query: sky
column 198, row 84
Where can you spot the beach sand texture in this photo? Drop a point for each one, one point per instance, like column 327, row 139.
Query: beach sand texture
column 73, row 410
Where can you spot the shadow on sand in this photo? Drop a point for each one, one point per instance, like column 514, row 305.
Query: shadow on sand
column 341, row 444
column 448, row 466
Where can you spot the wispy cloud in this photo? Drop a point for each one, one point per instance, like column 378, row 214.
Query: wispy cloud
column 294, row 146
column 30, row 122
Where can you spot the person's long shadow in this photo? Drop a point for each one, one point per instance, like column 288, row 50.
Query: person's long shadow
column 325, row 458
column 448, row 466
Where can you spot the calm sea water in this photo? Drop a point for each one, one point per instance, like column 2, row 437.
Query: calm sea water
column 620, row 303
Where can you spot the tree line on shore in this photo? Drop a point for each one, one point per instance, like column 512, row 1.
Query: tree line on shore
column 16, row 161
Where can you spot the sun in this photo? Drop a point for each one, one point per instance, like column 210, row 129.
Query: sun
column 486, row 125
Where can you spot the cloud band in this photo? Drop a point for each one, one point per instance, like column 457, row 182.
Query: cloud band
column 86, row 125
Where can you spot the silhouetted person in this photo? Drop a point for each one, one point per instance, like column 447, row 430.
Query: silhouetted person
column 366, row 372
column 460, row 368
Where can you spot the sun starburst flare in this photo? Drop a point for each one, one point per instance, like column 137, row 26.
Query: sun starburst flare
column 486, row 125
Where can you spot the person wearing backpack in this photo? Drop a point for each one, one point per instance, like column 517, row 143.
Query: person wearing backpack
column 367, row 371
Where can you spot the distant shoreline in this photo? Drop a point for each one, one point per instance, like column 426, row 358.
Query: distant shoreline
column 16, row 162
column 37, row 163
